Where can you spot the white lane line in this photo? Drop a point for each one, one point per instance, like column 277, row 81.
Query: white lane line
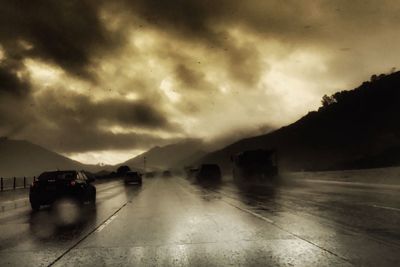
column 230, row 204
column 101, row 227
column 251, row 212
column 14, row 200
column 371, row 185
column 285, row 230
column 386, row 208
column 85, row 236
column 271, row 222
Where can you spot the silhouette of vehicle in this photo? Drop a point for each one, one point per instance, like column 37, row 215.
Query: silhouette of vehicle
column 167, row 174
column 51, row 186
column 255, row 166
column 150, row 174
column 133, row 177
column 190, row 171
column 209, row 172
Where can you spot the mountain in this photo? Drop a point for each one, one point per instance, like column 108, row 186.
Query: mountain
column 359, row 128
column 169, row 156
column 22, row 158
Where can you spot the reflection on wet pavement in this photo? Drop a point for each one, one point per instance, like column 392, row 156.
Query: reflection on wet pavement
column 173, row 221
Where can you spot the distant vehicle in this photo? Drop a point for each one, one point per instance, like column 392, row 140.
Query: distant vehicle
column 255, row 166
column 209, row 172
column 50, row 186
column 150, row 174
column 133, row 177
column 190, row 171
column 166, row 174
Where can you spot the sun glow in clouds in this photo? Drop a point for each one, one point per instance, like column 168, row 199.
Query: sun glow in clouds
column 167, row 88
column 105, row 157
column 42, row 73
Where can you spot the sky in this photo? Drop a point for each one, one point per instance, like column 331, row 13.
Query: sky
column 102, row 81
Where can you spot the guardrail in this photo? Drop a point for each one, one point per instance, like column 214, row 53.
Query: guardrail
column 12, row 183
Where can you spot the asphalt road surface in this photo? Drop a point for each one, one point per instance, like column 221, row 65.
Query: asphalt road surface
column 175, row 222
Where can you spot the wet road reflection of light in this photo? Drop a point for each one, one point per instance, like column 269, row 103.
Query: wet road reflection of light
column 234, row 237
column 174, row 222
column 64, row 220
column 67, row 212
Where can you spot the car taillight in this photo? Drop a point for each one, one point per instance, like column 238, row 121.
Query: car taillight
column 72, row 183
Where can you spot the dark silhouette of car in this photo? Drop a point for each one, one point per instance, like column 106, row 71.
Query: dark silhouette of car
column 209, row 172
column 167, row 174
column 51, row 186
column 133, row 177
column 192, row 172
column 255, row 166
column 150, row 174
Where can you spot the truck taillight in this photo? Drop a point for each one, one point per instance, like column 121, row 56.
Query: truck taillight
column 72, row 183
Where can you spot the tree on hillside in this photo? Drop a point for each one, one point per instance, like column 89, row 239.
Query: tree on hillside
column 327, row 100
column 123, row 169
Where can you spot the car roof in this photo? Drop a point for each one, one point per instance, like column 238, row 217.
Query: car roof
column 57, row 174
column 209, row 165
column 60, row 172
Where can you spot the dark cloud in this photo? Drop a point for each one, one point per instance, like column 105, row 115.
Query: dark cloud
column 296, row 24
column 191, row 78
column 188, row 76
column 78, row 138
column 244, row 64
column 66, row 33
column 79, row 108
column 74, row 123
column 187, row 18
column 196, row 21
column 133, row 114
column 11, row 83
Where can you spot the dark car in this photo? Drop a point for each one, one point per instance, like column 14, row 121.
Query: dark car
column 51, row 186
column 166, row 174
column 255, row 166
column 209, row 172
column 191, row 172
column 133, row 177
column 150, row 174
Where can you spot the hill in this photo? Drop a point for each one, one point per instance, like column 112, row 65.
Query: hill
column 353, row 129
column 22, row 158
column 168, row 156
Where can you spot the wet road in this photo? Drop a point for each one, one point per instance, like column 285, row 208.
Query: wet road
column 174, row 222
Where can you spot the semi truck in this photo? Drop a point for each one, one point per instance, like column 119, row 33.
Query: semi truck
column 255, row 166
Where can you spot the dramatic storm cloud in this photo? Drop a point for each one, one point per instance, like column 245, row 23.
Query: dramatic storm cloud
column 105, row 80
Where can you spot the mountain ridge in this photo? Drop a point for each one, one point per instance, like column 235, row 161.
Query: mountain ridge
column 352, row 129
column 168, row 156
column 23, row 158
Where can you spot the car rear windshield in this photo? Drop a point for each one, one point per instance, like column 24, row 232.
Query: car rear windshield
column 57, row 176
column 132, row 174
column 210, row 167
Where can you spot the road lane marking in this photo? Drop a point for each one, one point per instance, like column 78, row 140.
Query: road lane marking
column 106, row 223
column 14, row 200
column 386, row 208
column 230, row 204
column 87, row 235
column 271, row 222
column 370, row 185
column 251, row 212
